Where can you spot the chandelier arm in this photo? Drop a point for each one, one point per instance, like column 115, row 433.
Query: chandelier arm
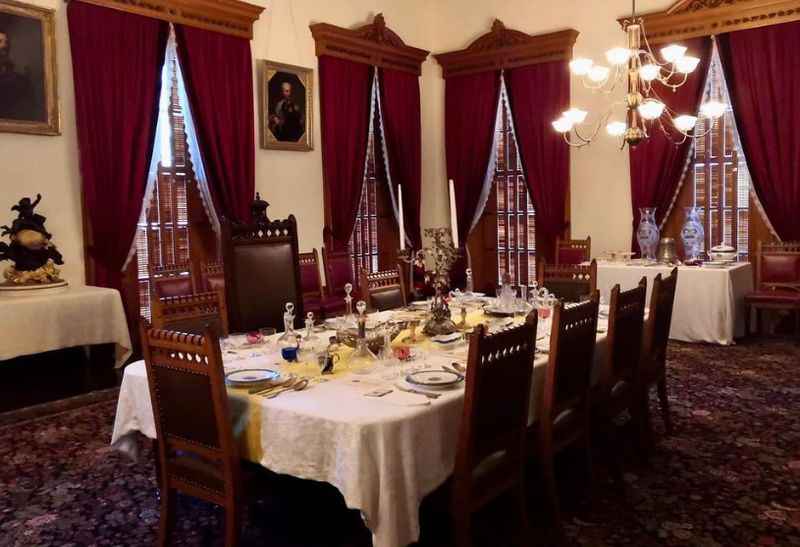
column 669, row 134
column 580, row 144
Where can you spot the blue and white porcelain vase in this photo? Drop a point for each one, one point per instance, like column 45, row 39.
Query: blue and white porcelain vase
column 647, row 234
column 693, row 234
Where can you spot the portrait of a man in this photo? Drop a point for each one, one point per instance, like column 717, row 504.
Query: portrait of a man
column 286, row 115
column 27, row 69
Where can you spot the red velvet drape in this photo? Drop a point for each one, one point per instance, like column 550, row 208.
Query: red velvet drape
column 538, row 95
column 762, row 69
column 344, row 107
column 218, row 71
column 657, row 164
column 400, row 106
column 116, row 64
column 470, row 113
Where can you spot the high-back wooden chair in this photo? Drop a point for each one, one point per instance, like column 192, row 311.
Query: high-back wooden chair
column 383, row 290
column 338, row 269
column 212, row 276
column 172, row 280
column 196, row 450
column 262, row 273
column 573, row 251
column 564, row 411
column 654, row 347
column 311, row 282
column 192, row 314
column 777, row 281
column 491, row 447
column 569, row 282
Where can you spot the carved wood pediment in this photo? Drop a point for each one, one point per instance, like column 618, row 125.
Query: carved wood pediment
column 502, row 48
column 373, row 44
column 225, row 16
column 693, row 18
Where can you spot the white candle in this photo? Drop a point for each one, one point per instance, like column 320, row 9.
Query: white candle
column 401, row 221
column 453, row 217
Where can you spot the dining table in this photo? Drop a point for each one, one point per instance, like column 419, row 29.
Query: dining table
column 383, row 453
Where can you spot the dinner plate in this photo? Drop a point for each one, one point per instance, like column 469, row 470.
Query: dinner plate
column 446, row 339
column 434, row 379
column 251, row 376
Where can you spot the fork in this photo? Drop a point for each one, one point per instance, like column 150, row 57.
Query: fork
column 418, row 392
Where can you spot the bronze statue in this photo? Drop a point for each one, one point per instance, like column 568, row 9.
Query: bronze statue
column 33, row 254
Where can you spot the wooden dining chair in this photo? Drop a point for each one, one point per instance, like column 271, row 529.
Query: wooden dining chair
column 654, row 352
column 564, row 411
column 573, row 251
column 212, row 276
column 491, row 445
column 777, row 282
column 338, row 267
column 311, row 282
column 262, row 273
column 191, row 313
column 568, row 282
column 172, row 280
column 383, row 290
column 196, row 450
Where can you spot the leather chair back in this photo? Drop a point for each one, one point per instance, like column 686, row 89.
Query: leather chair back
column 383, row 290
column 625, row 331
column 573, row 251
column 262, row 273
column 662, row 301
column 569, row 282
column 212, row 275
column 778, row 266
column 192, row 314
column 172, row 280
column 338, row 267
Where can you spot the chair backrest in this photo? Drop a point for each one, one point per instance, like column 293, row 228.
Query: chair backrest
column 383, row 290
column 262, row 273
column 192, row 314
column 778, row 266
column 569, row 371
column 573, row 251
column 172, row 280
column 310, row 279
column 212, row 276
column 497, row 396
column 662, row 300
column 338, row 271
column 625, row 331
column 569, row 282
column 190, row 409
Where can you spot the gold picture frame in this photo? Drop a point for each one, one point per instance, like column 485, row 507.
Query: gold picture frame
column 28, row 74
column 286, row 113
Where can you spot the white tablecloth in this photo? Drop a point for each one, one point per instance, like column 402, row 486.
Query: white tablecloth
column 75, row 316
column 709, row 303
column 383, row 457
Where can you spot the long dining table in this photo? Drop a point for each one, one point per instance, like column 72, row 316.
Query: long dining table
column 384, row 454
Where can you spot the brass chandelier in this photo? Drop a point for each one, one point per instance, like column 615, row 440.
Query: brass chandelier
column 644, row 75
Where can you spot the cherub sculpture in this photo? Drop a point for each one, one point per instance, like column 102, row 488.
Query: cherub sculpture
column 33, row 255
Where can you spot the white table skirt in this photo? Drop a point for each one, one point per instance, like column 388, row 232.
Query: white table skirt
column 78, row 315
column 709, row 303
column 384, row 458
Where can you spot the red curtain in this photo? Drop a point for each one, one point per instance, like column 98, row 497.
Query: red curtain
column 762, row 69
column 400, row 106
column 657, row 164
column 116, row 64
column 470, row 113
column 538, row 95
column 218, row 71
column 344, row 88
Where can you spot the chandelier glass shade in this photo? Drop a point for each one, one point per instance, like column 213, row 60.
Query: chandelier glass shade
column 643, row 75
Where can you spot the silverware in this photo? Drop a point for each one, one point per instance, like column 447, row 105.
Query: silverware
column 298, row 386
column 418, row 392
column 286, row 383
column 450, row 369
column 461, row 369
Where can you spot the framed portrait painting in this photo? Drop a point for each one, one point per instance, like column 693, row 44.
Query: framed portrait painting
column 286, row 106
column 28, row 87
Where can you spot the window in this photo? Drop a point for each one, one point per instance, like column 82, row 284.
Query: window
column 720, row 181
column 516, row 218
column 364, row 241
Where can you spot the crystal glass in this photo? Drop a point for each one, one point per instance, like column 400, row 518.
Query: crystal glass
column 692, row 234
column 309, row 334
column 648, row 234
column 288, row 323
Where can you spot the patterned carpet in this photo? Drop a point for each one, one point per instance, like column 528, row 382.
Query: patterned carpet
column 729, row 476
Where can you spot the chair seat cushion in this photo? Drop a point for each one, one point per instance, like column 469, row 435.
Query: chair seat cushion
column 773, row 297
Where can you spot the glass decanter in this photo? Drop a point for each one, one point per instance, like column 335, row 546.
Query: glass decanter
column 288, row 324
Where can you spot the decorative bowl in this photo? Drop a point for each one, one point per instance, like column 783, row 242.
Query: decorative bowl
column 349, row 337
column 722, row 253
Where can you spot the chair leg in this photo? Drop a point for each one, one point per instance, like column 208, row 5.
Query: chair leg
column 551, row 491
column 167, row 519
column 663, row 402
column 644, row 426
column 233, row 525
column 747, row 311
column 462, row 530
column 522, row 508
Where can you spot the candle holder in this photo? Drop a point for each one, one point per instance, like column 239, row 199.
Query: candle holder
column 413, row 259
column 441, row 256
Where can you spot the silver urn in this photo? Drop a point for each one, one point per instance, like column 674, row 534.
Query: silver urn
column 666, row 253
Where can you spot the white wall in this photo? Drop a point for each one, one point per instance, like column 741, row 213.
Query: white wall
column 292, row 181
